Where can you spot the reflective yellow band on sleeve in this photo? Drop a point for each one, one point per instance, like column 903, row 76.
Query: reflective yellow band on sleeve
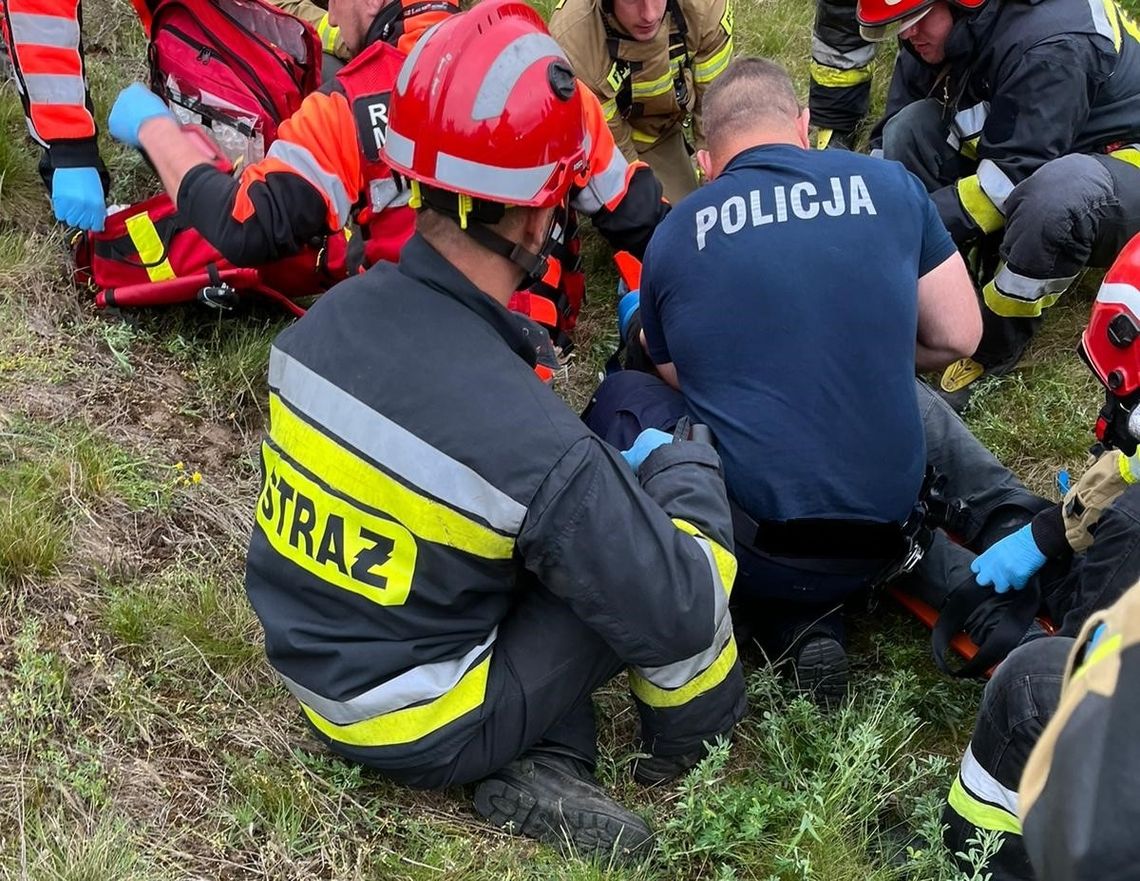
column 969, row 148
column 610, row 110
column 725, row 560
column 978, row 813
column 653, row 696
column 413, row 723
column 704, row 72
column 642, row 138
column 1012, row 307
column 978, row 205
column 1128, row 154
column 1125, row 466
column 151, row 252
column 834, row 78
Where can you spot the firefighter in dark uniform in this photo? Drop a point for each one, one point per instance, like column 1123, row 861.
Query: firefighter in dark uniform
column 840, row 92
column 650, row 62
column 1092, row 538
column 1020, row 117
column 446, row 561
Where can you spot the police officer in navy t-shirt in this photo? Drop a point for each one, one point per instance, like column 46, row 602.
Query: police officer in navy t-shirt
column 790, row 300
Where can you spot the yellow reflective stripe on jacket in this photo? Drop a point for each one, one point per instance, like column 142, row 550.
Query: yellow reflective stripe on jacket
column 1014, row 307
column 328, row 34
column 978, row 205
column 425, row 517
column 331, row 538
column 833, row 78
column 642, row 137
column 1107, row 647
column 659, row 86
column 710, row 678
column 704, row 72
column 610, row 110
column 413, row 723
column 725, row 560
column 714, row 674
column 980, row 814
column 151, row 253
column 1126, row 464
column 1131, row 155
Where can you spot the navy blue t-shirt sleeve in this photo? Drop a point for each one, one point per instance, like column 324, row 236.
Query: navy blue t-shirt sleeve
column 937, row 246
column 650, row 316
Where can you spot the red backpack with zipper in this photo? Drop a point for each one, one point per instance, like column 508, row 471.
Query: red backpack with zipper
column 237, row 69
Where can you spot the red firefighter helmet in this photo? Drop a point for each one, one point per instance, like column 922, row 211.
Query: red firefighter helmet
column 486, row 106
column 1110, row 345
column 882, row 19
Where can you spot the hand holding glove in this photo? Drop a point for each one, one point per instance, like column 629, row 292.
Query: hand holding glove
column 77, row 198
column 134, row 106
column 1010, row 562
column 648, row 441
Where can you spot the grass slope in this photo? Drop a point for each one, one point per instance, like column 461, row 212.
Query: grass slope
column 142, row 735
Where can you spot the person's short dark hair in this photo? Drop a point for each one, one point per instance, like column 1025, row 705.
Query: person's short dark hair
column 751, row 91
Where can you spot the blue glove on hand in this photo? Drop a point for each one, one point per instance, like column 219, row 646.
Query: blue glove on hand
column 134, row 106
column 77, row 198
column 648, row 441
column 627, row 307
column 1009, row 563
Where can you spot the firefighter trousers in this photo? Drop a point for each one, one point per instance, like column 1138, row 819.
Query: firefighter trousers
column 1075, row 211
column 840, row 90
column 670, row 160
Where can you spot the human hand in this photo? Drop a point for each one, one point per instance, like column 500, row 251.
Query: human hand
column 648, row 441
column 1009, row 563
column 134, row 106
column 77, row 198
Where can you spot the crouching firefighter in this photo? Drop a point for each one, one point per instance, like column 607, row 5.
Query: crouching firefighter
column 326, row 171
column 1086, row 550
column 446, row 561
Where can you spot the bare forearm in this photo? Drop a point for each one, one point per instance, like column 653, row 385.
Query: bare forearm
column 172, row 152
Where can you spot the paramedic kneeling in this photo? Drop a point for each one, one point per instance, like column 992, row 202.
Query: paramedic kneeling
column 790, row 302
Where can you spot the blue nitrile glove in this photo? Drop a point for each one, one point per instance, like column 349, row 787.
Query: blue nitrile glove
column 648, row 441
column 77, row 198
column 1009, row 563
column 134, row 106
column 627, row 307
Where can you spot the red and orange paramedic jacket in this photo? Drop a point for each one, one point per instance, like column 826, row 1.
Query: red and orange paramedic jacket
column 46, row 51
column 324, row 171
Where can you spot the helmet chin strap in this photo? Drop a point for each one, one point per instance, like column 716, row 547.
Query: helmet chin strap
column 532, row 263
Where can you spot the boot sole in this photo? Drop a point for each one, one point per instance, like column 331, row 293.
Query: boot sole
column 821, row 670
column 587, row 833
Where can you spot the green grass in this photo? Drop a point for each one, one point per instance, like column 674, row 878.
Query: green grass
column 142, row 735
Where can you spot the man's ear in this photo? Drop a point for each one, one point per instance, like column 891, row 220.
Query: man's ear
column 803, row 122
column 535, row 226
column 704, row 163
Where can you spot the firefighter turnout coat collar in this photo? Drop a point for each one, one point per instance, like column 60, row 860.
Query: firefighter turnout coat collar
column 647, row 89
column 417, row 476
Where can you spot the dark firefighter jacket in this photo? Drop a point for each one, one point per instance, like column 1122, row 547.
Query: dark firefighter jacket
column 1025, row 81
column 418, row 476
column 1077, row 802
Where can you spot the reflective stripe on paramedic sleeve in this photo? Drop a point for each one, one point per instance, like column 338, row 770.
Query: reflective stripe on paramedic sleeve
column 981, row 800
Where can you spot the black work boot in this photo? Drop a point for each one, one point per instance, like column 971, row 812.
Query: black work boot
column 658, row 770
column 555, row 799
column 821, row 669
